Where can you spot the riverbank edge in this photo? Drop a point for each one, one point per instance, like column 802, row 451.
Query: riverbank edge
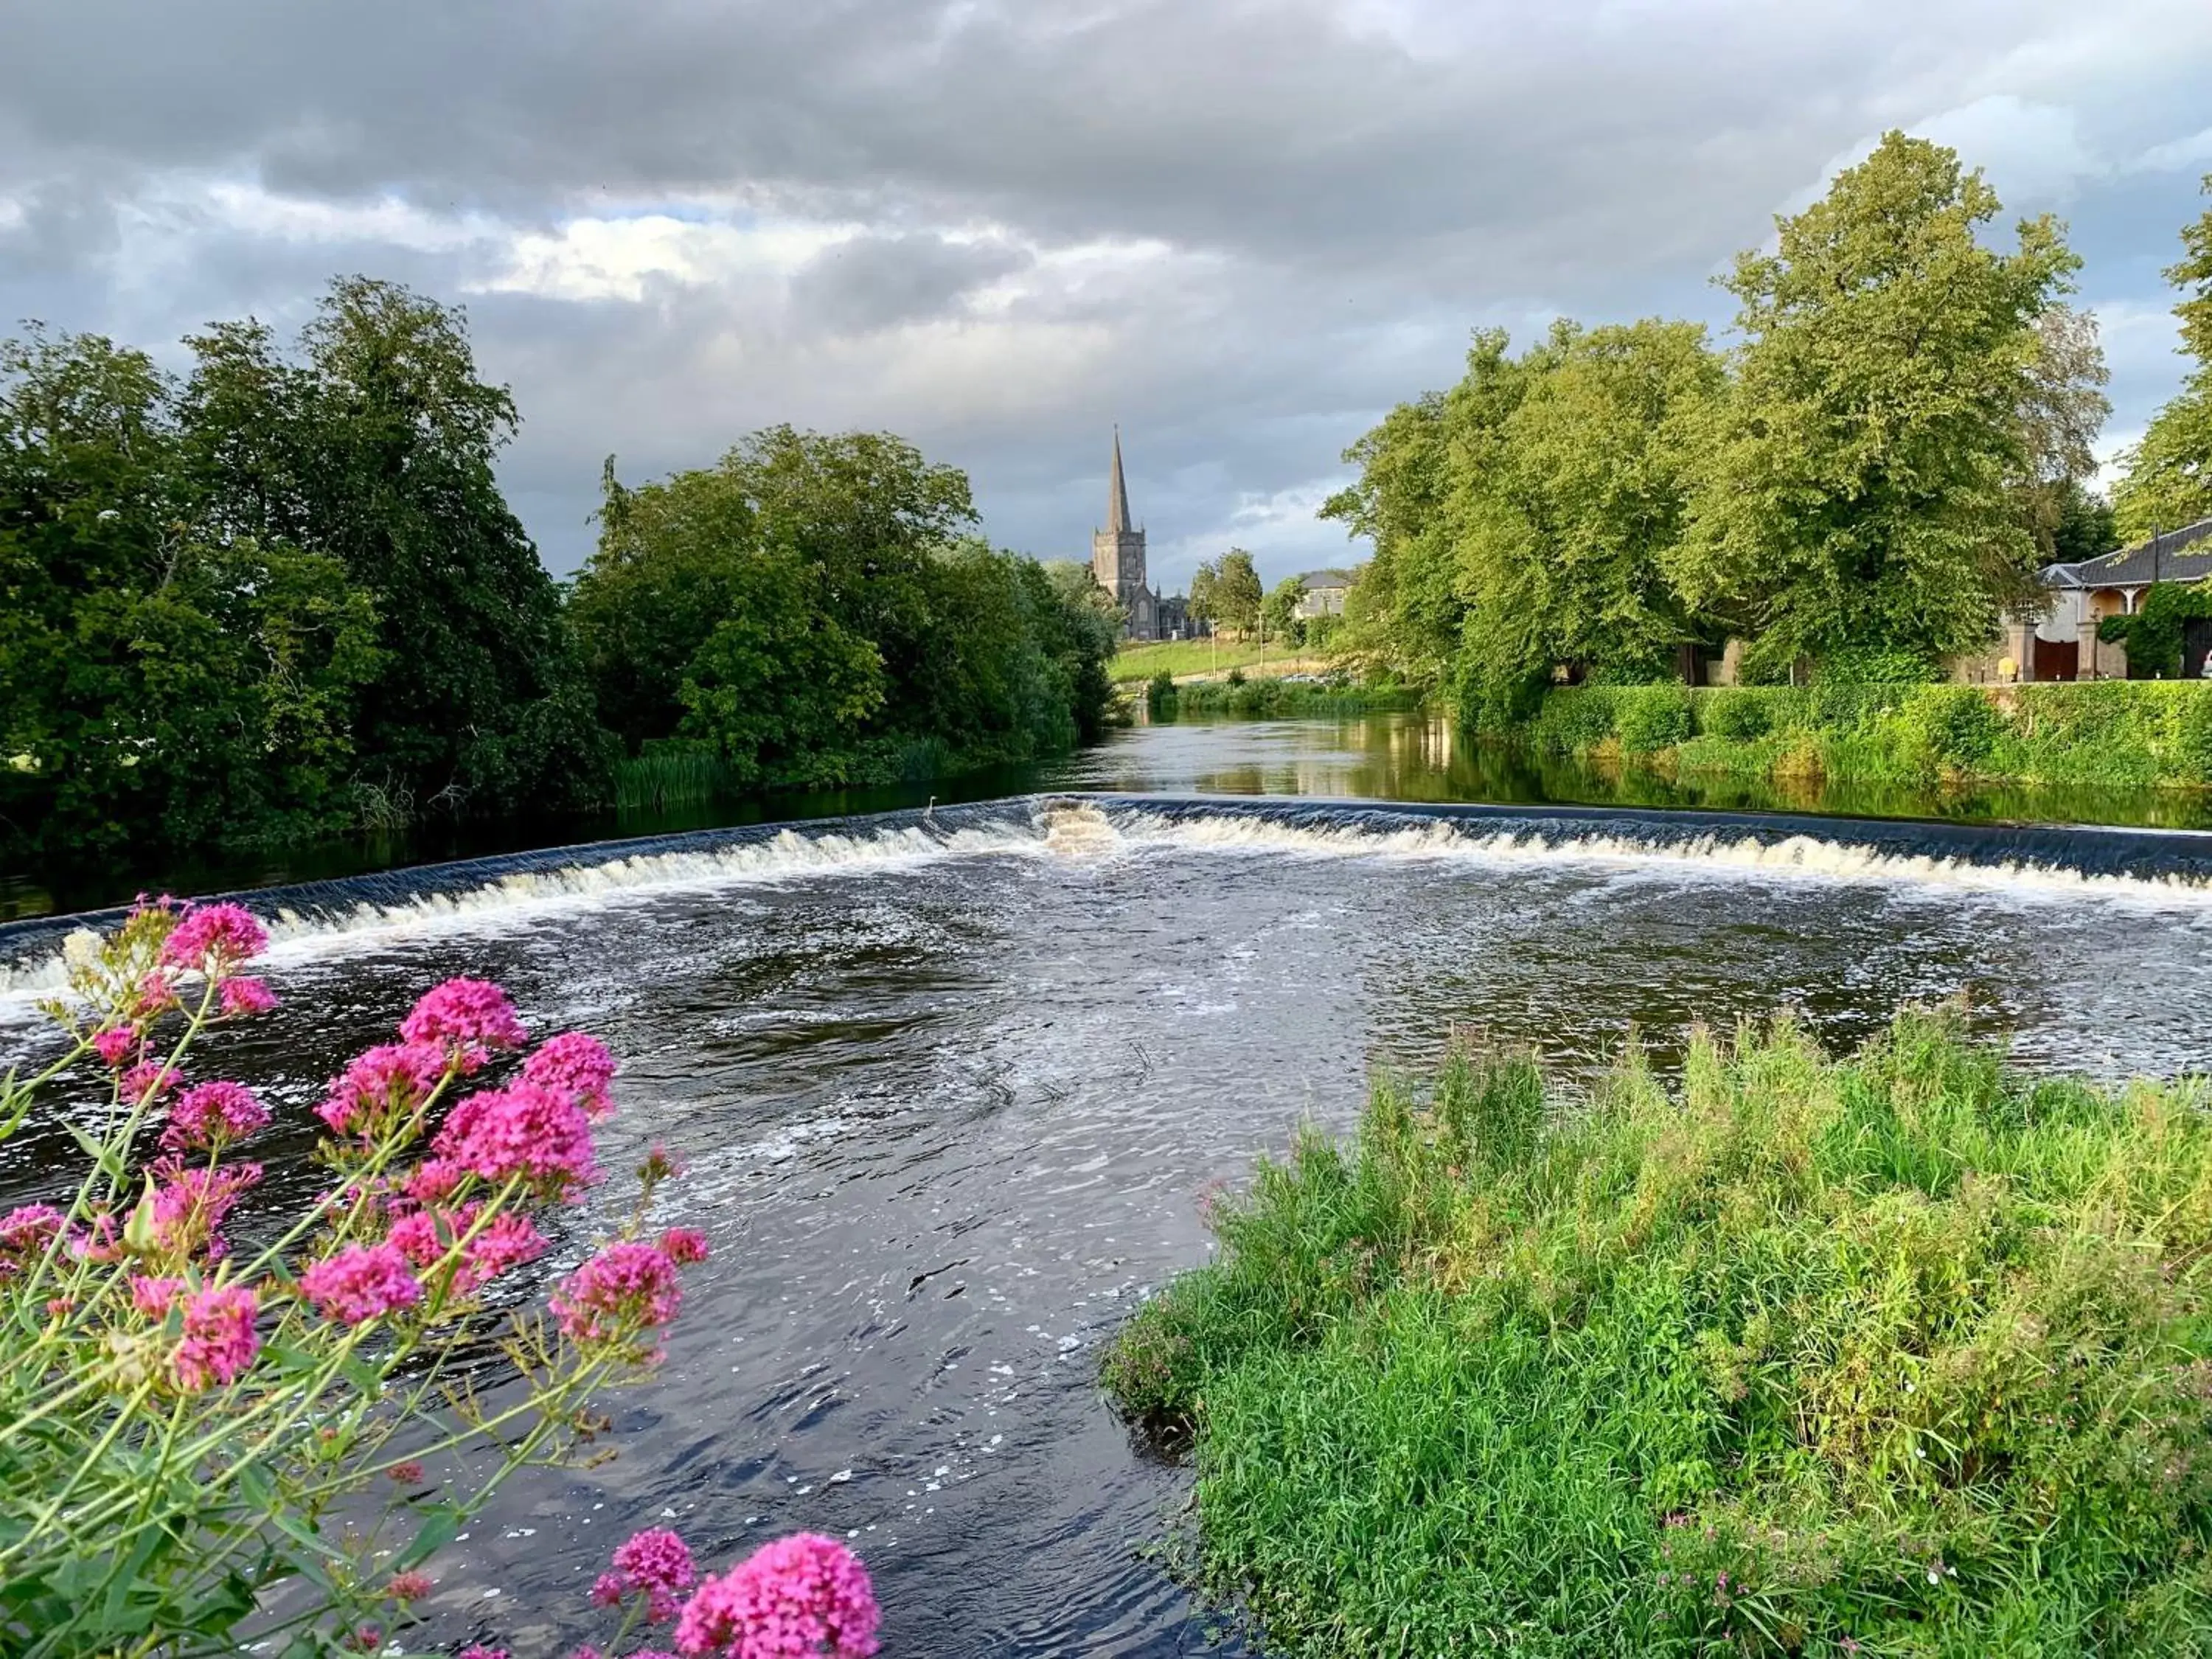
column 1787, row 1357
column 2130, row 734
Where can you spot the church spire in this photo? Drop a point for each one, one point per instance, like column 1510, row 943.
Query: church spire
column 1117, row 492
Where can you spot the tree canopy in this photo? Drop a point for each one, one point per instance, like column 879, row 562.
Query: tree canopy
column 2168, row 481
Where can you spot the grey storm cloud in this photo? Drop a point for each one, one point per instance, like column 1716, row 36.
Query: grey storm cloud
column 1241, row 229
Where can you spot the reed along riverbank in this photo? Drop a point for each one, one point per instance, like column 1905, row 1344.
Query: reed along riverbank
column 1903, row 1353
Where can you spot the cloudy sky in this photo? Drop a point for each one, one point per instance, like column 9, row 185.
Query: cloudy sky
column 997, row 226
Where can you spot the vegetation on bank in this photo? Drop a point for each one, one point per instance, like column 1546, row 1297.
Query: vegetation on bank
column 2127, row 733
column 1272, row 699
column 1904, row 1354
column 1866, row 481
column 281, row 596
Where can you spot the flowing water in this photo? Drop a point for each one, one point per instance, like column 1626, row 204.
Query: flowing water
column 952, row 1085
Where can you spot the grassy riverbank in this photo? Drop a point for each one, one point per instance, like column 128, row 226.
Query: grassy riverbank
column 2118, row 734
column 1182, row 658
column 1898, row 1355
column 1277, row 699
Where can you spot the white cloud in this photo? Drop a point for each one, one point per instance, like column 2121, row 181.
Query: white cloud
column 2191, row 152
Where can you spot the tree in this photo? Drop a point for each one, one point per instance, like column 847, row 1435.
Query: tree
column 1205, row 582
column 165, row 684
column 1237, row 592
column 813, row 604
column 1278, row 612
column 1563, row 540
column 2168, row 481
column 375, row 444
column 1863, row 490
column 1407, row 616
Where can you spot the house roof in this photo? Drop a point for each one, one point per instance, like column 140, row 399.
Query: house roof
column 2174, row 555
column 1313, row 579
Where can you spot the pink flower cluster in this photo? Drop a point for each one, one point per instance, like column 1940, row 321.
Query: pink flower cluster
column 149, row 1080
column 507, row 1240
column 115, row 1045
column 362, row 1282
column 190, row 1203
column 219, row 1341
column 28, row 1229
column 242, row 998
column 468, row 1018
column 522, row 1130
column 211, row 1116
column 381, row 1088
column 577, row 1066
column 214, row 939
column 802, row 1596
column 654, row 1564
column 683, row 1245
column 625, row 1291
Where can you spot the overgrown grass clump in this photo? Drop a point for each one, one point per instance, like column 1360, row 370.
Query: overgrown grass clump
column 1904, row 1354
column 2123, row 734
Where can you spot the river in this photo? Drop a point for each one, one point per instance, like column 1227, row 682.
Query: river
column 952, row 1086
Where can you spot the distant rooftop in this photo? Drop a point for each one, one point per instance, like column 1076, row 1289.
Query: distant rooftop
column 1313, row 579
column 2174, row 556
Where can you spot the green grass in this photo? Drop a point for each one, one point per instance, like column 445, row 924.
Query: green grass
column 1181, row 657
column 2109, row 733
column 670, row 774
column 1898, row 1355
column 1274, row 699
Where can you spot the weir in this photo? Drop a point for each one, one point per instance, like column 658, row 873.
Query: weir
column 2048, row 859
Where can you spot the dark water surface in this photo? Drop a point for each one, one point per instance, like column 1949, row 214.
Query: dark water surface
column 951, row 1090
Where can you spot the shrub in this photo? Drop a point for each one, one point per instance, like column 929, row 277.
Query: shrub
column 1574, row 718
column 1949, row 728
column 1160, row 695
column 1740, row 716
column 1651, row 718
column 199, row 1403
column 1900, row 1354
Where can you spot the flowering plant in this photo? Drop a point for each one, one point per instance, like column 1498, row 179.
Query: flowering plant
column 194, row 1412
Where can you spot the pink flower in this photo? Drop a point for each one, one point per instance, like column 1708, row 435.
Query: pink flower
column 149, row 1080
column 214, row 939
column 382, row 1089
column 242, row 998
column 607, row 1590
column 683, row 1245
column 219, row 1342
column 466, row 1017
column 409, row 1473
column 654, row 1564
column 625, row 1290
column 115, row 1045
column 190, row 1204
column 433, row 1180
column 211, row 1116
column 360, row 1283
column 478, row 1650
column 507, row 1240
column 154, row 1297
column 29, row 1230
column 522, row 1130
column 805, row 1595
column 577, row 1066
column 156, row 993
column 409, row 1586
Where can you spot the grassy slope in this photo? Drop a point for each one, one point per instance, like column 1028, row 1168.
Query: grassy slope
column 1902, row 1355
column 1186, row 657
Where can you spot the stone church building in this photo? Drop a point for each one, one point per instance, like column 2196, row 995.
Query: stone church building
column 1117, row 560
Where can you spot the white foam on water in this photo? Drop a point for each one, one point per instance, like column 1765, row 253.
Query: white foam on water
column 522, row 896
column 1720, row 853
column 1086, row 830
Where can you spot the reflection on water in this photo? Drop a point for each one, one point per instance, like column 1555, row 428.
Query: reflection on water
column 1421, row 758
column 1394, row 756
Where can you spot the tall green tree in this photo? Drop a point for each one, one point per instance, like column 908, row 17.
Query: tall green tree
column 1237, row 591
column 2168, row 481
column 1864, row 491
column 1563, row 540
column 166, row 684
column 1278, row 611
column 375, row 443
column 1205, row 582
